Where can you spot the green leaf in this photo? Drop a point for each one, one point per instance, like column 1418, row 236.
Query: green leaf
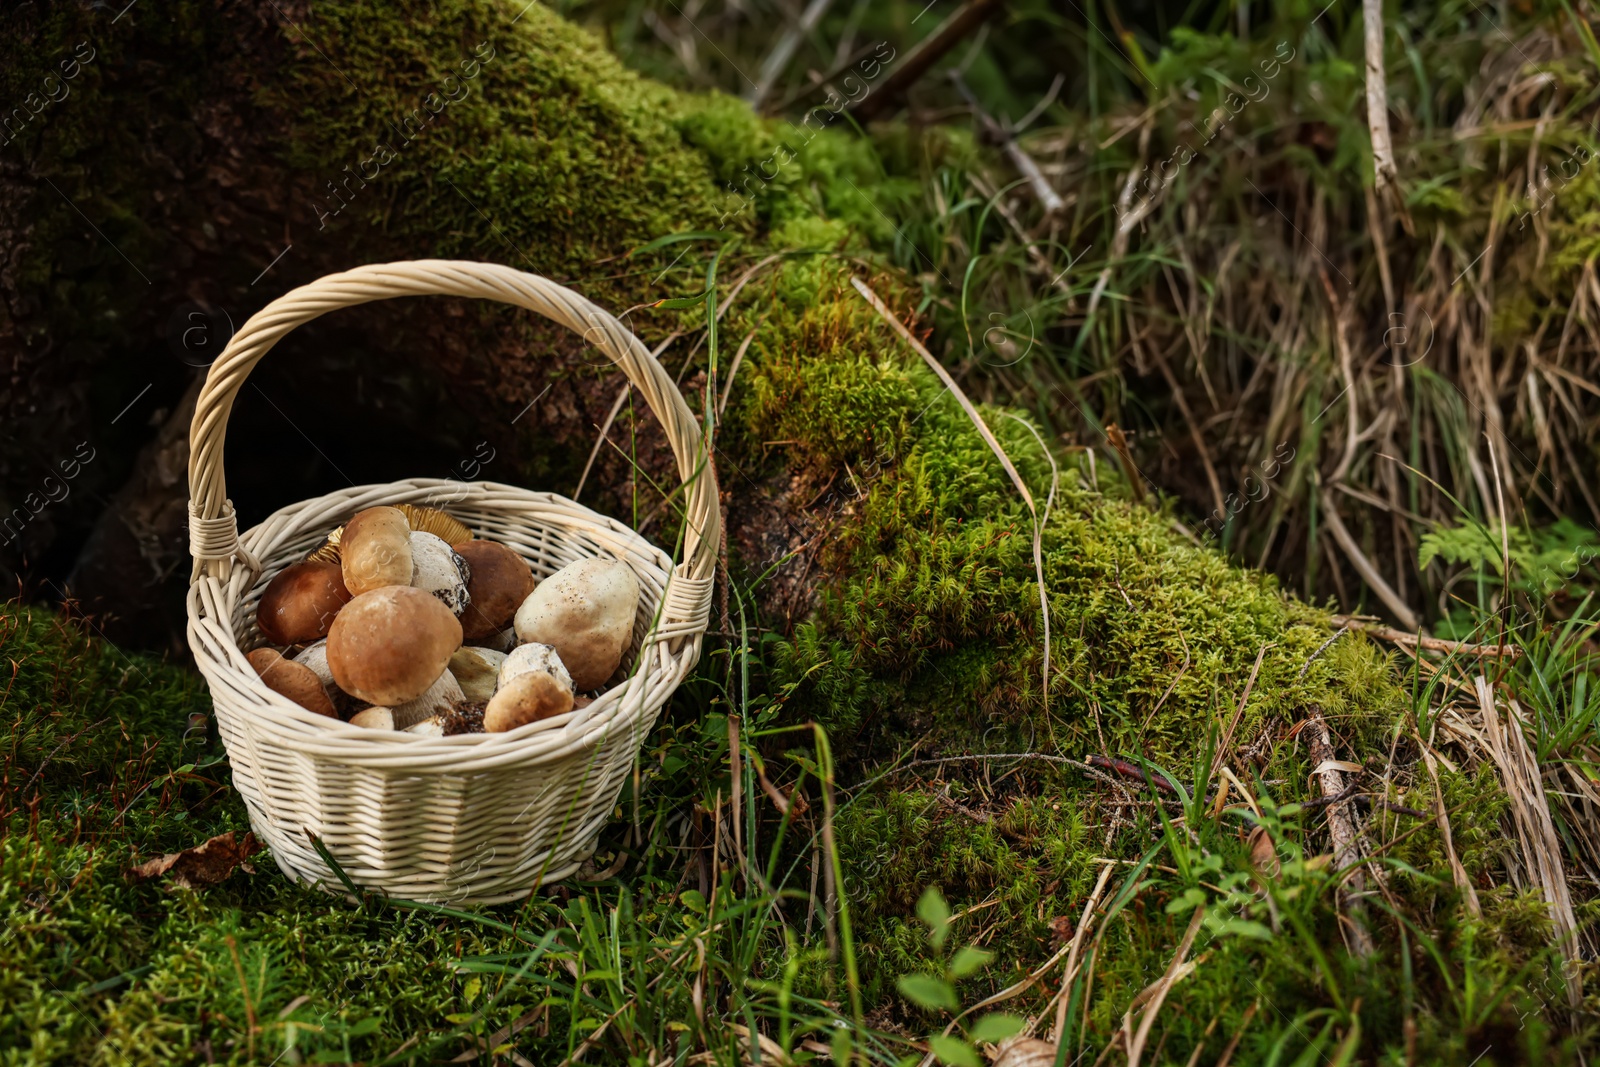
column 926, row 991
column 969, row 961
column 954, row 1051
column 460, row 1018
column 995, row 1028
column 931, row 908
column 840, row 1045
column 366, row 1026
column 1243, row 928
column 470, row 991
column 1191, row 899
column 693, row 900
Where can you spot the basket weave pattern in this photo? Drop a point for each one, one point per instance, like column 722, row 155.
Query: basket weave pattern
column 473, row 818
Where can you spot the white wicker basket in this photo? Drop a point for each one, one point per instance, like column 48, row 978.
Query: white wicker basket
column 474, row 818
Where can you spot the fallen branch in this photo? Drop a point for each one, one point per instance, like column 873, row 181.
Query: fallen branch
column 1386, row 176
column 1342, row 830
column 955, row 29
column 1431, row 644
column 1132, row 771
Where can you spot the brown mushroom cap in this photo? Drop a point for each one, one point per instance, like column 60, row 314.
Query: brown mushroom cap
column 524, row 699
column 501, row 581
column 389, row 645
column 300, row 602
column 293, row 680
column 375, row 550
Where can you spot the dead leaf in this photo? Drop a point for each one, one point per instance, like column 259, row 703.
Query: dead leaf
column 1263, row 853
column 205, row 864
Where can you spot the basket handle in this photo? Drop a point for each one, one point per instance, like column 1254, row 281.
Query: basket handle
column 213, row 527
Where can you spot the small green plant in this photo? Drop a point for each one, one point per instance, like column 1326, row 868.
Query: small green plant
column 936, row 991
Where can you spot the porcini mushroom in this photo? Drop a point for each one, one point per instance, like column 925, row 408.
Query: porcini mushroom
column 529, row 658
column 300, row 602
column 500, row 581
column 526, row 698
column 434, row 701
column 478, row 671
column 586, row 612
column 374, row 718
column 292, row 680
column 387, row 646
column 316, row 657
column 437, row 568
column 534, row 685
column 414, row 715
column 375, row 550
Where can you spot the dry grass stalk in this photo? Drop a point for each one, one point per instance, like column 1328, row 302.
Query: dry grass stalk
column 1069, row 950
column 1076, row 945
column 1364, row 566
column 1458, row 873
column 1176, row 970
column 1523, row 780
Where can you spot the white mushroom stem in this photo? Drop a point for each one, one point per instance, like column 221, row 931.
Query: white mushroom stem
column 435, row 700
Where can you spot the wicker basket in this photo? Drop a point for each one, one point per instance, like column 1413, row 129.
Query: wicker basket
column 474, row 818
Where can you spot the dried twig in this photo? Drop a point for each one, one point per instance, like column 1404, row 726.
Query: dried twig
column 1430, row 644
column 1003, row 136
column 955, row 29
column 1342, row 829
column 1386, row 176
column 1119, row 443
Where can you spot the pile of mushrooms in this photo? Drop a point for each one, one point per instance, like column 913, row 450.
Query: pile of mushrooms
column 404, row 621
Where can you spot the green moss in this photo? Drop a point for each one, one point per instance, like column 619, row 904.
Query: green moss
column 931, row 626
